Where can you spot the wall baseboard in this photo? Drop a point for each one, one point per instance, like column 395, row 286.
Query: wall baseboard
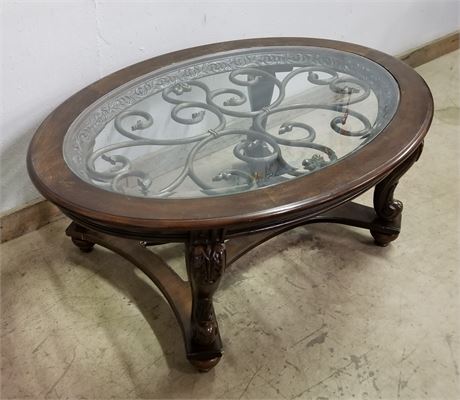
column 38, row 213
column 27, row 218
column 432, row 50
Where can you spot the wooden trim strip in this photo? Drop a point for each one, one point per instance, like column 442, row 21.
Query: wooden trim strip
column 27, row 218
column 38, row 213
column 432, row 50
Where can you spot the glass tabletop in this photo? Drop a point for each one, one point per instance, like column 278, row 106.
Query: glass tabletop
column 231, row 122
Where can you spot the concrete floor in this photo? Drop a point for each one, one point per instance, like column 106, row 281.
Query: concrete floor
column 317, row 313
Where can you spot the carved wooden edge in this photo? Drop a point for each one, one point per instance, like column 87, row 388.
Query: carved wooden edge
column 387, row 208
column 205, row 265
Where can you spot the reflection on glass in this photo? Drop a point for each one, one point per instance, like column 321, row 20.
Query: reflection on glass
column 231, row 122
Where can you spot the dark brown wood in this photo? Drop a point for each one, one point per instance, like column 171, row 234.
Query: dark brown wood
column 214, row 226
column 432, row 50
column 326, row 188
column 176, row 291
column 193, row 308
column 78, row 239
column 352, row 214
column 83, row 245
column 206, row 261
column 205, row 266
column 14, row 224
column 389, row 209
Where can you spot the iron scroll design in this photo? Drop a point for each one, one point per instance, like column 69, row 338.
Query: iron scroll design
column 260, row 150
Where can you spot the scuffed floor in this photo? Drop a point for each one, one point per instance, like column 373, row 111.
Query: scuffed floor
column 316, row 313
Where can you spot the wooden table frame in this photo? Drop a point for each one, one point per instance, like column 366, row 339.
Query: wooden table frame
column 209, row 253
column 127, row 225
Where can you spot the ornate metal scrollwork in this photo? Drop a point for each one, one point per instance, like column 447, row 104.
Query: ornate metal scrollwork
column 260, row 150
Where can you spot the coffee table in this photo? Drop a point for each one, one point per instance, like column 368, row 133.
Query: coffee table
column 224, row 146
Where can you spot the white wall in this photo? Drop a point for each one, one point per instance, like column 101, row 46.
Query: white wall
column 51, row 49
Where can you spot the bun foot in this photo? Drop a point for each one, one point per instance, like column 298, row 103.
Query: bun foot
column 203, row 365
column 83, row 245
column 383, row 239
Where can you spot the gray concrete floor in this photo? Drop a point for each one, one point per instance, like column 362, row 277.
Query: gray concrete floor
column 316, row 313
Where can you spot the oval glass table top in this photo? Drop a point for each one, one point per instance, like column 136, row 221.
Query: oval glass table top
column 231, row 122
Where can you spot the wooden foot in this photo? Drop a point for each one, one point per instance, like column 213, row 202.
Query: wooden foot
column 383, row 239
column 78, row 240
column 204, row 365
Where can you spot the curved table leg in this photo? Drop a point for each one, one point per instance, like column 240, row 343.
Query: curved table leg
column 385, row 228
column 205, row 265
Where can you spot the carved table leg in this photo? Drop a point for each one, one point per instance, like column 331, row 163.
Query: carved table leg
column 205, row 266
column 77, row 238
column 385, row 228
